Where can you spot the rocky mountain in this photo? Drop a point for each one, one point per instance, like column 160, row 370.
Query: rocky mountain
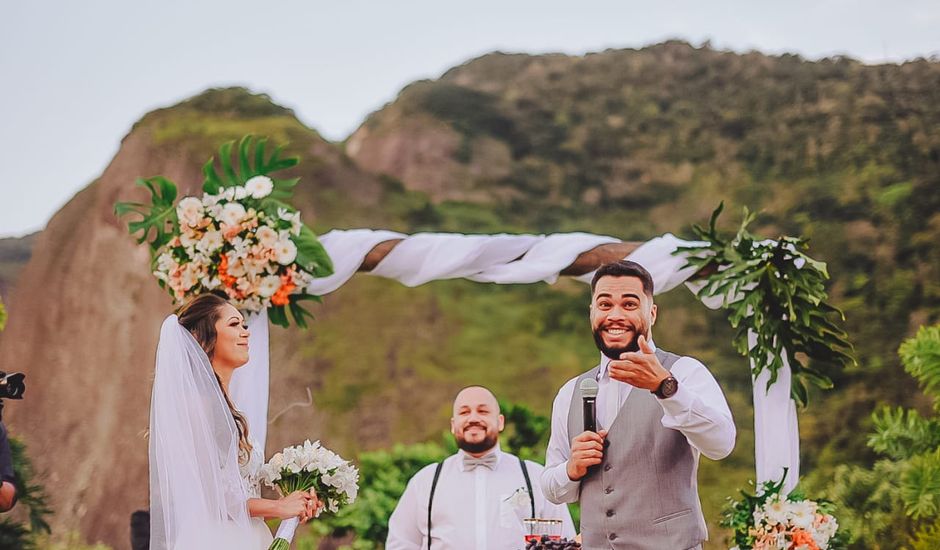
column 631, row 143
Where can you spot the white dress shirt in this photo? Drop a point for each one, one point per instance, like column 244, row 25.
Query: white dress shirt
column 698, row 410
column 480, row 509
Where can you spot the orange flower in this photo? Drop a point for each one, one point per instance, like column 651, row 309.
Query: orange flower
column 801, row 537
column 226, row 279
column 281, row 297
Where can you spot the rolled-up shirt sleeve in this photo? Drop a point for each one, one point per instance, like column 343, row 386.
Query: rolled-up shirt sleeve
column 699, row 410
column 556, row 485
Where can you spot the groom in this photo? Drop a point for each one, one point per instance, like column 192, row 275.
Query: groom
column 635, row 477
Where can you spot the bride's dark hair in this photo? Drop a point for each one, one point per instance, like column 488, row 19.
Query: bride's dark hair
column 199, row 317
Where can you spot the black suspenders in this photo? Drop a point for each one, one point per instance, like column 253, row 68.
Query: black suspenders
column 437, row 475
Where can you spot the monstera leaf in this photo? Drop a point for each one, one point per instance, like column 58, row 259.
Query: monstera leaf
column 251, row 162
column 158, row 217
column 771, row 288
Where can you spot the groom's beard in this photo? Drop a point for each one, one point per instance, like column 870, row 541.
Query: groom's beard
column 615, row 352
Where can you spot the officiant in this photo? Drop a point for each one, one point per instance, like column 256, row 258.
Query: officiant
column 478, row 498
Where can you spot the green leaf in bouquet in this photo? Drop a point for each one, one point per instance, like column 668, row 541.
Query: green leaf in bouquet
column 297, row 311
column 249, row 161
column 278, row 316
column 158, row 217
column 311, row 255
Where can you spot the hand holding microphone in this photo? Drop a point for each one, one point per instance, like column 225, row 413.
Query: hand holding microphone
column 587, row 449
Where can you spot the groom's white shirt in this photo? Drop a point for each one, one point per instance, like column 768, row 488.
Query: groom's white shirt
column 698, row 410
column 472, row 509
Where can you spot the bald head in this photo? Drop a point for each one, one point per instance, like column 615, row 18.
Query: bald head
column 471, row 396
column 476, row 422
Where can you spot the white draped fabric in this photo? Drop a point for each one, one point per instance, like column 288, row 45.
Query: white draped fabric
column 248, row 388
column 508, row 259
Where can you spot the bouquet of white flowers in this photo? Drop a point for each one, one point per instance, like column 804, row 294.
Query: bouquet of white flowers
column 305, row 467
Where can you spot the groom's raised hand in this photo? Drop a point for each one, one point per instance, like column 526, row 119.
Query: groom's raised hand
column 640, row 369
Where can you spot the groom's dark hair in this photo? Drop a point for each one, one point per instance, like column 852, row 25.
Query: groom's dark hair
column 625, row 268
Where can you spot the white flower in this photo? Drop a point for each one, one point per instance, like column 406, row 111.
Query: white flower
column 240, row 193
column 259, row 187
column 232, row 214
column 236, row 268
column 209, row 200
column 519, row 499
column 776, row 511
column 266, row 236
column 214, row 211
column 285, row 252
column 802, row 514
column 189, row 277
column 210, row 242
column 189, row 211
column 293, row 218
column 269, row 285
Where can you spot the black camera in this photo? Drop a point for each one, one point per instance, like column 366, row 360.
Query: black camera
column 11, row 385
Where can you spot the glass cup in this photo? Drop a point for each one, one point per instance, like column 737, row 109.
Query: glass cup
column 533, row 529
column 552, row 528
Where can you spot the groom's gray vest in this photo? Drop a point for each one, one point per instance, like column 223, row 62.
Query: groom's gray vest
column 644, row 495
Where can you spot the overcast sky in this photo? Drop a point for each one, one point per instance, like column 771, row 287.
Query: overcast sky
column 77, row 75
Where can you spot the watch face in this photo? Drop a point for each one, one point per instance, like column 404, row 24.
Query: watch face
column 669, row 387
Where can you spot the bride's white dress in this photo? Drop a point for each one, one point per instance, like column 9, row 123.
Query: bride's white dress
column 251, row 474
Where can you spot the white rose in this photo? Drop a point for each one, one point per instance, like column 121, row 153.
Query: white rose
column 266, row 236
column 189, row 211
column 285, row 252
column 232, row 214
column 269, row 286
column 259, row 187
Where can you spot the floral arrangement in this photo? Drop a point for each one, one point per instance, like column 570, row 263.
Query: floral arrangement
column 240, row 237
column 310, row 466
column 774, row 290
column 768, row 520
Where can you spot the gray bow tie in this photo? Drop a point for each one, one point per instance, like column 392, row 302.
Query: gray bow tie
column 470, row 463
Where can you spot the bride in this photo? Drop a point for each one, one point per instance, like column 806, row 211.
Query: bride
column 205, row 489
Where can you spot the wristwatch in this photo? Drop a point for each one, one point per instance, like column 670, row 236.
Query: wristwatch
column 667, row 388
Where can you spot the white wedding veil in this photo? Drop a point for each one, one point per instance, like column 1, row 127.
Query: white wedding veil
column 197, row 496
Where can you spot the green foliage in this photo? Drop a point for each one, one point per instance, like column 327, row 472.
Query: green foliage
column 526, row 434
column 159, row 217
column 775, row 291
column 3, row 315
column 921, row 358
column 32, row 497
column 899, row 498
column 252, row 162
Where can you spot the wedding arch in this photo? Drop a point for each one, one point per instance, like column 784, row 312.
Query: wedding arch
column 773, row 291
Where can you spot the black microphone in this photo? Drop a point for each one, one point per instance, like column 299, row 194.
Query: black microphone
column 589, row 399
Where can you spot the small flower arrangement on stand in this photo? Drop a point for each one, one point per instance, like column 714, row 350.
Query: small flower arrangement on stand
column 770, row 520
